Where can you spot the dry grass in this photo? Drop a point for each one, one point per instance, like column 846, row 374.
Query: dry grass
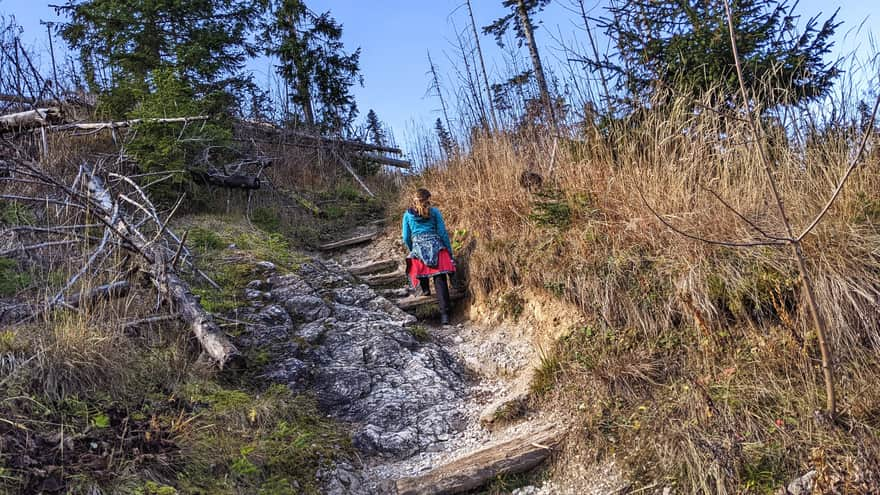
column 700, row 363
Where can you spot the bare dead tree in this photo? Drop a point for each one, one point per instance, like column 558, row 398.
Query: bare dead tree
column 529, row 33
column 482, row 66
column 470, row 80
column 436, row 87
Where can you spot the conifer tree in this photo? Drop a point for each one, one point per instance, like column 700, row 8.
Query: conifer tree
column 447, row 145
column 685, row 45
column 374, row 128
column 122, row 42
column 314, row 65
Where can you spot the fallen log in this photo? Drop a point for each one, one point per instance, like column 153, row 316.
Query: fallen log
column 350, row 144
column 235, row 181
column 349, row 242
column 16, row 122
column 96, row 126
column 354, row 174
column 519, row 455
column 385, row 160
column 177, row 292
column 105, row 292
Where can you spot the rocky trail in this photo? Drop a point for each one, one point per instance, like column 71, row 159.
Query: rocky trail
column 433, row 409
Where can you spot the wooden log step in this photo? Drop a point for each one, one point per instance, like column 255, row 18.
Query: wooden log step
column 518, row 455
column 349, row 242
column 414, row 302
column 373, row 267
column 386, row 278
column 394, row 293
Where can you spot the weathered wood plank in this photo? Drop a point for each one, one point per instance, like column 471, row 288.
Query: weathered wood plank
column 374, row 267
column 519, row 455
column 414, row 302
column 349, row 242
column 386, row 278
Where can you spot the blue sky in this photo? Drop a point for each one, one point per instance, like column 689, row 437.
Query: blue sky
column 395, row 35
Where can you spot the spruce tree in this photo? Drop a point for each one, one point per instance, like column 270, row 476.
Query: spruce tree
column 685, row 45
column 122, row 42
column 447, row 144
column 374, row 128
column 313, row 63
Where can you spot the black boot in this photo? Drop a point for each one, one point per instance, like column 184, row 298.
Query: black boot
column 442, row 287
column 425, row 285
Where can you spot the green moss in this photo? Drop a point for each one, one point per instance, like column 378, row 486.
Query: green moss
column 270, row 443
column 420, row 332
column 220, row 400
column 153, row 488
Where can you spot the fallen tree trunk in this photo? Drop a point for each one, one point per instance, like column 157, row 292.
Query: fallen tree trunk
column 235, row 181
column 213, row 341
column 384, row 160
column 350, row 144
column 105, row 292
column 16, row 122
column 475, row 470
column 95, row 126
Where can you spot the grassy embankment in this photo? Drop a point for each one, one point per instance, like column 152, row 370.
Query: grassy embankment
column 696, row 365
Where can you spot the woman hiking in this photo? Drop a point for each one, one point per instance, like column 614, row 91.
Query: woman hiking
column 424, row 234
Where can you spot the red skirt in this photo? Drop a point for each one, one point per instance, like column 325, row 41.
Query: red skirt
column 417, row 269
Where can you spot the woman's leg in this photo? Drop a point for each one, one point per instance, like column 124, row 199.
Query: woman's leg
column 442, row 287
column 425, row 285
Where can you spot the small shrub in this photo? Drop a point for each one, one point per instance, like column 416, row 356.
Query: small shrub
column 551, row 210
column 204, row 240
column 12, row 278
column 267, row 219
column 15, row 213
column 512, row 305
column 544, row 379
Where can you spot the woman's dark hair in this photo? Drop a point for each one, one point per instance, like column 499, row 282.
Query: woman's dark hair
column 421, row 202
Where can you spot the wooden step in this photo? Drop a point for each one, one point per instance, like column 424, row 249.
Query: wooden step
column 352, row 241
column 374, row 267
column 394, row 293
column 518, row 455
column 416, row 301
column 385, row 278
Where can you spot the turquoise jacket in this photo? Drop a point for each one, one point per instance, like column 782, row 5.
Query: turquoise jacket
column 414, row 225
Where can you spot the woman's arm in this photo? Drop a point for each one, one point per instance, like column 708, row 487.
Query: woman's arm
column 441, row 230
column 406, row 231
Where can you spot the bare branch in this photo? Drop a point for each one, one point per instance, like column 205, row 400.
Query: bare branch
column 854, row 163
column 743, row 217
column 703, row 239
